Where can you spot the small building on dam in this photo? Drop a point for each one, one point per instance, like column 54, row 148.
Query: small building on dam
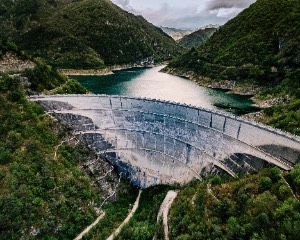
column 158, row 142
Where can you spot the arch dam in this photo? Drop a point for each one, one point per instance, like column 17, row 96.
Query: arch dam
column 160, row 142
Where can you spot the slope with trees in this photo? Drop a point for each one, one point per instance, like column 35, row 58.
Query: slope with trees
column 83, row 34
column 196, row 38
column 257, row 51
column 45, row 193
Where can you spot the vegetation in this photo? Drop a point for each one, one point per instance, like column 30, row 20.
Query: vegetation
column 115, row 213
column 42, row 77
column 143, row 225
column 39, row 196
column 260, row 206
column 197, row 38
column 260, row 46
column 286, row 115
column 43, row 195
column 7, row 46
column 83, row 34
column 263, row 36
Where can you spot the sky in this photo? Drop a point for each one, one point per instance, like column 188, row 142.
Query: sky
column 185, row 14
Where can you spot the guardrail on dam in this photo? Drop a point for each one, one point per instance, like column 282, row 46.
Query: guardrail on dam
column 154, row 142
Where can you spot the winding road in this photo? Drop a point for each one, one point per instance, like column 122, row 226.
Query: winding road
column 164, row 211
column 85, row 231
column 135, row 206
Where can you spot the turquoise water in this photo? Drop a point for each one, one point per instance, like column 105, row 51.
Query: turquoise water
column 150, row 83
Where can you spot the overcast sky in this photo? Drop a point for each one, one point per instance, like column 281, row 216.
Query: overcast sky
column 185, row 13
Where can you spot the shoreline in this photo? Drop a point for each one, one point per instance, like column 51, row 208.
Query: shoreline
column 86, row 72
column 228, row 85
column 105, row 71
column 232, row 87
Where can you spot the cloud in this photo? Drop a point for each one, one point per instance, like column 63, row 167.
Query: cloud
column 187, row 13
column 226, row 9
column 226, row 12
column 169, row 15
column 228, row 4
column 125, row 4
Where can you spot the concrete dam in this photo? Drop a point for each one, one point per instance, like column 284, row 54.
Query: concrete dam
column 159, row 142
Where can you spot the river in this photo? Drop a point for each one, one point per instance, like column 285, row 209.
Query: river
column 150, row 83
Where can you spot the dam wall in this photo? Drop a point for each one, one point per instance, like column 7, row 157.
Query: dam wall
column 153, row 141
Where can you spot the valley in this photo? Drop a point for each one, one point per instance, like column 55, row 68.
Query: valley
column 95, row 147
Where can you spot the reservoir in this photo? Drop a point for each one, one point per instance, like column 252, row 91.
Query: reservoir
column 151, row 83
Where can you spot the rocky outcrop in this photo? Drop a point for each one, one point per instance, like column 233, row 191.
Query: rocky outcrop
column 10, row 63
column 86, row 72
column 101, row 173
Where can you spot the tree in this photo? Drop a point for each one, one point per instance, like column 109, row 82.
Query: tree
column 275, row 174
column 295, row 173
column 264, row 184
column 223, row 209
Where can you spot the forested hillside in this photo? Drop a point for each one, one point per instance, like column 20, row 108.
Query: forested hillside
column 263, row 36
column 83, row 34
column 44, row 190
column 260, row 206
column 34, row 74
column 196, row 38
column 258, row 49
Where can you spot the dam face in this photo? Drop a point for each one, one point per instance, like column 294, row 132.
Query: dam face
column 158, row 142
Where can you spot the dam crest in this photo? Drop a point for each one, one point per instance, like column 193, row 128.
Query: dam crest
column 159, row 142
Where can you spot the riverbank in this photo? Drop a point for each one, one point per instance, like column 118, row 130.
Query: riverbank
column 245, row 89
column 86, row 72
column 102, row 72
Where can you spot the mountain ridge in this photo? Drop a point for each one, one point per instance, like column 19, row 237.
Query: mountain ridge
column 197, row 38
column 256, row 53
column 83, row 34
column 249, row 45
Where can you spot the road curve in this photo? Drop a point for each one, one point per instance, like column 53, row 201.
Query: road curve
column 135, row 206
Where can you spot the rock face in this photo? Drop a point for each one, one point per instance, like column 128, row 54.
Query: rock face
column 156, row 142
column 101, row 173
column 10, row 63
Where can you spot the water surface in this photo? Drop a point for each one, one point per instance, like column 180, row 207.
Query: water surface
column 150, row 83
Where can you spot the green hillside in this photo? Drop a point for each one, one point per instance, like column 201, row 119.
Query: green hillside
column 44, row 191
column 260, row 206
column 258, row 50
column 197, row 38
column 263, row 36
column 41, row 78
column 83, row 34
column 38, row 194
